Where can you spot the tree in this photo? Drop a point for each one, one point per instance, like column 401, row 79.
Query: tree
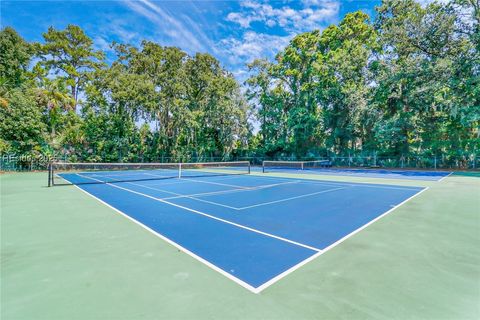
column 216, row 109
column 426, row 76
column 56, row 101
column 312, row 97
column 21, row 123
column 15, row 55
column 69, row 54
column 344, row 90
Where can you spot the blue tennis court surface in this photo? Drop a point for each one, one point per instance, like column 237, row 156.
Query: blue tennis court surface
column 370, row 173
column 252, row 229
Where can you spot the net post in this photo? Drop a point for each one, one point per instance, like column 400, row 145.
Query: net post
column 50, row 174
column 249, row 167
column 179, row 170
column 263, row 166
column 302, row 165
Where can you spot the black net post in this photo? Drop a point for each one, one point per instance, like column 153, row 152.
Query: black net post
column 50, row 174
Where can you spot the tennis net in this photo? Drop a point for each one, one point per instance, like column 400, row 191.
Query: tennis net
column 67, row 173
column 295, row 165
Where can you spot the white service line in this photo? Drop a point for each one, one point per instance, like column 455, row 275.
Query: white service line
column 232, row 191
column 291, row 198
column 216, row 183
column 242, row 187
column 179, row 195
column 206, row 193
column 214, row 218
column 345, row 184
column 218, row 219
column 261, row 187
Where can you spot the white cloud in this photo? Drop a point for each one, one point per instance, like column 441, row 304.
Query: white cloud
column 313, row 15
column 121, row 29
column 310, row 15
column 240, row 19
column 251, row 46
column 426, row 2
column 188, row 37
column 101, row 44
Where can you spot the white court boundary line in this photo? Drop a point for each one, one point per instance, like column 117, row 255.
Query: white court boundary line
column 176, row 245
column 244, row 187
column 219, row 219
column 216, row 218
column 448, row 175
column 261, row 187
column 216, row 183
column 292, row 198
column 361, row 184
column 305, row 179
column 336, row 243
column 177, row 195
column 325, row 171
column 180, row 196
column 237, row 280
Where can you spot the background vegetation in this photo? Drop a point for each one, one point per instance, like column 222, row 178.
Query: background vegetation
column 406, row 84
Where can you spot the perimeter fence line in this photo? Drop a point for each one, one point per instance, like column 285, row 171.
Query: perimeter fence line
column 11, row 162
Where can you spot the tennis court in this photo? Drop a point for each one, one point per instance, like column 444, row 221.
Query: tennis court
column 253, row 229
column 324, row 168
column 216, row 245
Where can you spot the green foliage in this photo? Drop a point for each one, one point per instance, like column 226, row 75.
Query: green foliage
column 428, row 77
column 408, row 84
column 188, row 107
column 15, row 55
column 69, row 54
column 21, row 127
column 316, row 90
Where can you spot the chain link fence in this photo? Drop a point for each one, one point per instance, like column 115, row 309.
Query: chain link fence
column 37, row 163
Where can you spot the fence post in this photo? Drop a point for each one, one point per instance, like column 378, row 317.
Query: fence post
column 435, row 162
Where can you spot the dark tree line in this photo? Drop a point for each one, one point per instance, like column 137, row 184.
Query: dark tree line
column 406, row 83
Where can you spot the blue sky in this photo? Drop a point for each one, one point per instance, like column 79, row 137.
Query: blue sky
column 235, row 32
